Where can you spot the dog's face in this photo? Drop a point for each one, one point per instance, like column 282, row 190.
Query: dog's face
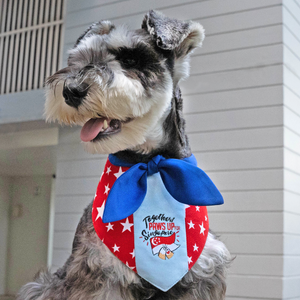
column 119, row 84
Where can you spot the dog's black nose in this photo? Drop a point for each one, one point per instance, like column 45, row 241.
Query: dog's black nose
column 74, row 93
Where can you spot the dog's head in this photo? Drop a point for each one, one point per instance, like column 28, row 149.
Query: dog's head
column 119, row 83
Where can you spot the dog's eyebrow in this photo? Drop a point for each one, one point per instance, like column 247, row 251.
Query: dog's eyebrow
column 139, row 58
column 137, row 46
column 139, row 51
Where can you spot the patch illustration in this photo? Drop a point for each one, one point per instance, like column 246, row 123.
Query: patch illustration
column 164, row 246
column 163, row 233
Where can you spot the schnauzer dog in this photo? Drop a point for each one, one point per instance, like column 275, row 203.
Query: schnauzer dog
column 122, row 87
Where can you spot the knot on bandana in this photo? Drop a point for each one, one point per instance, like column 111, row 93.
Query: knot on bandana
column 184, row 181
column 153, row 165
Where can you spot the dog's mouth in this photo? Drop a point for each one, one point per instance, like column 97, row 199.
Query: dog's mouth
column 97, row 128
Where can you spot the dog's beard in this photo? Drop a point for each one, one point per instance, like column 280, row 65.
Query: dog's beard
column 144, row 132
column 124, row 99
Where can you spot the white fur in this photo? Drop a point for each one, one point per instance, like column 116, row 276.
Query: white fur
column 143, row 133
column 57, row 109
column 181, row 69
column 193, row 40
column 196, row 35
column 120, row 37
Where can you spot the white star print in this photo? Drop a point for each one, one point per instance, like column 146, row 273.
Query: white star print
column 108, row 170
column 119, row 173
column 190, row 259
column 106, row 189
column 129, row 266
column 191, row 225
column 109, row 227
column 100, row 211
column 116, row 248
column 132, row 253
column 195, row 247
column 127, row 225
column 205, row 218
column 202, row 229
column 101, row 175
column 186, row 206
column 197, row 208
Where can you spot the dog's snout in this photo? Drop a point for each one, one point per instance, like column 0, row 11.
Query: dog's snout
column 74, row 93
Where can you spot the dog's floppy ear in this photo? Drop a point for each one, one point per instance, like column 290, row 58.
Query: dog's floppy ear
column 102, row 27
column 181, row 37
column 172, row 34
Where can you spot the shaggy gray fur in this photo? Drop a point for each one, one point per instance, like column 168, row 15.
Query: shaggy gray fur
column 92, row 272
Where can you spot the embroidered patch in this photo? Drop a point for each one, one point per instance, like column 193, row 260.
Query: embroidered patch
column 165, row 234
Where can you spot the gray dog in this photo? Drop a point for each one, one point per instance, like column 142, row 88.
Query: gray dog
column 122, row 87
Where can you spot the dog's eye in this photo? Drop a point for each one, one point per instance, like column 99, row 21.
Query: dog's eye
column 139, row 58
column 130, row 58
column 130, row 62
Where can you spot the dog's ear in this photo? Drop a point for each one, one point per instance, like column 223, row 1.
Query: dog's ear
column 99, row 28
column 181, row 37
column 172, row 34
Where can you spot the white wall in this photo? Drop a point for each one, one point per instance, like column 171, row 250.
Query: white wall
column 233, row 104
column 22, row 107
column 291, row 72
column 27, row 160
column 28, row 232
column 5, row 196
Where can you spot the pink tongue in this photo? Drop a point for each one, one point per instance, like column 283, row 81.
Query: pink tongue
column 91, row 129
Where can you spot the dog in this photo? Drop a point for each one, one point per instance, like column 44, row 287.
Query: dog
column 122, row 86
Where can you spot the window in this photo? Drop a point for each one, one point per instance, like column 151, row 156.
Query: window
column 30, row 43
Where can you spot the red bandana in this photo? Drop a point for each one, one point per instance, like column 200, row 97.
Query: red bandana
column 119, row 236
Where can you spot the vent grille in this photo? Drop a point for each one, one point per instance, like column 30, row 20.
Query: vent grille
column 30, row 43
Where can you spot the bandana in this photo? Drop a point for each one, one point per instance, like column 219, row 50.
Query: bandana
column 145, row 221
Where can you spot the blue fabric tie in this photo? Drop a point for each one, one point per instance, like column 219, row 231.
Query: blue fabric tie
column 182, row 178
